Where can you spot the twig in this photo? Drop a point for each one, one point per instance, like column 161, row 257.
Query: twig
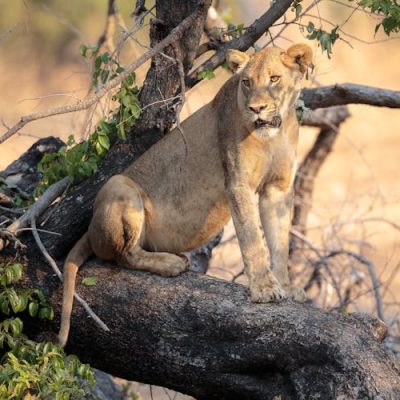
column 38, row 208
column 11, row 210
column 62, row 195
column 372, row 272
column 321, row 260
column 6, row 235
column 175, row 34
column 39, row 230
column 57, row 271
column 106, row 38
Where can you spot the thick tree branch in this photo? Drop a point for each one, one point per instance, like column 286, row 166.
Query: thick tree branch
column 350, row 93
column 203, row 337
column 252, row 34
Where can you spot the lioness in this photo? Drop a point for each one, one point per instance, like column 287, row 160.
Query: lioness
column 174, row 199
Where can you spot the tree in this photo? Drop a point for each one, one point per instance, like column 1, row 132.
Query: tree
column 175, row 35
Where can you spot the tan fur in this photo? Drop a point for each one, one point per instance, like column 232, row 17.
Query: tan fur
column 172, row 200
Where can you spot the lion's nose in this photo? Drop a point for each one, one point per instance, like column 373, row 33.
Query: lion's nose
column 257, row 108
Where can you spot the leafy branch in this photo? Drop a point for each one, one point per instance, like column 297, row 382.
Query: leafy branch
column 28, row 369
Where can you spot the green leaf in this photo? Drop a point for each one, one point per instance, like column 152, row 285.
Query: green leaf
column 97, row 63
column 105, row 57
column 16, row 326
column 298, row 9
column 104, row 141
column 310, row 27
column 99, row 149
column 104, row 76
column 82, row 50
column 46, row 313
column 208, row 73
column 33, row 309
column 89, row 281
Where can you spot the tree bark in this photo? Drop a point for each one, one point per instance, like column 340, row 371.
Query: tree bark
column 203, row 337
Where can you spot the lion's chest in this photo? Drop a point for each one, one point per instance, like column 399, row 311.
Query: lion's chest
column 254, row 160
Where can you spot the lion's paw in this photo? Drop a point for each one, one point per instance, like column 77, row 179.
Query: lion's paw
column 296, row 293
column 177, row 266
column 266, row 293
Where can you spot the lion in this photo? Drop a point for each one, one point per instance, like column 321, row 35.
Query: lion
column 181, row 193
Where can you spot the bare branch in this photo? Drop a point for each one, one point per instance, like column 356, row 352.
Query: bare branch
column 106, row 38
column 175, row 34
column 57, row 271
column 350, row 93
column 329, row 120
column 372, row 272
column 38, row 208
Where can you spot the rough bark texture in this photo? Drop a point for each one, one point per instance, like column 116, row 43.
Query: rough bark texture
column 203, row 337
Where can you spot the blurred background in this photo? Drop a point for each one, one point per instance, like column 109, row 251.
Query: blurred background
column 358, row 189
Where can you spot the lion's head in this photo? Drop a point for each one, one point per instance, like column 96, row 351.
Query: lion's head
column 269, row 84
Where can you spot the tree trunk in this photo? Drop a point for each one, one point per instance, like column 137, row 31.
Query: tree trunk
column 203, row 337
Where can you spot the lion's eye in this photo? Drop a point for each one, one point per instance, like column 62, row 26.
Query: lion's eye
column 274, row 78
column 246, row 83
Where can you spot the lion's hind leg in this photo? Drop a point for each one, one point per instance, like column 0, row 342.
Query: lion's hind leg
column 133, row 256
column 164, row 264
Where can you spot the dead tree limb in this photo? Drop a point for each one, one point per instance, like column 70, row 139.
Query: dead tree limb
column 329, row 120
column 36, row 210
column 203, row 337
column 350, row 93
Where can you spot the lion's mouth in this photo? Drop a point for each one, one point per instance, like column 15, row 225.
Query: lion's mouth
column 275, row 122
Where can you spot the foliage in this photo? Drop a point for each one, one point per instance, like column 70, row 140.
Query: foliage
column 79, row 160
column 390, row 9
column 34, row 370
column 325, row 39
column 208, row 73
column 129, row 110
column 297, row 7
column 89, row 281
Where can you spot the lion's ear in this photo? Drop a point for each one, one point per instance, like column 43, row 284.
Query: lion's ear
column 236, row 60
column 298, row 56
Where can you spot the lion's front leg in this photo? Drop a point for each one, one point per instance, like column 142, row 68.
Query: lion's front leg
column 275, row 210
column 264, row 287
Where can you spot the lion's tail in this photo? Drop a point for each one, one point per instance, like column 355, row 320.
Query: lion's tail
column 76, row 257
